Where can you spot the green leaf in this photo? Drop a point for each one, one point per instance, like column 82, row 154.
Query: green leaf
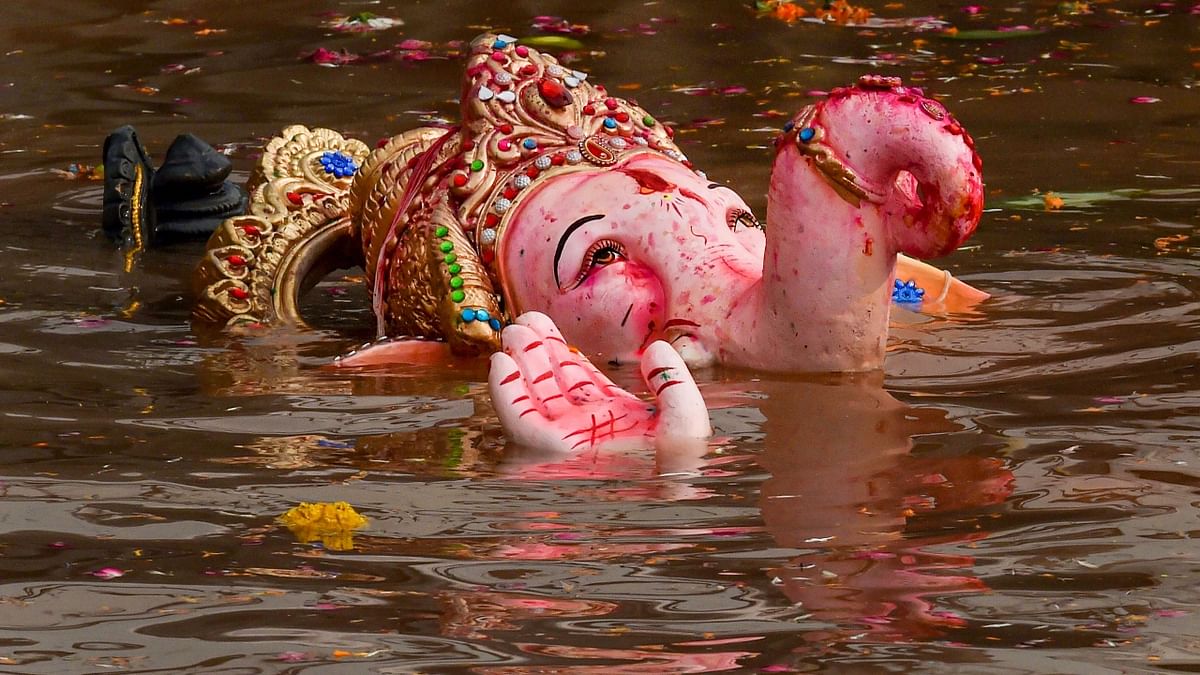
column 990, row 35
column 551, row 42
column 1075, row 201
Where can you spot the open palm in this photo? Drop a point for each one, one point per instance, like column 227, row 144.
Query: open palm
column 549, row 396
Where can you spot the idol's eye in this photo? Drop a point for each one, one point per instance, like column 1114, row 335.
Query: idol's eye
column 739, row 218
column 599, row 254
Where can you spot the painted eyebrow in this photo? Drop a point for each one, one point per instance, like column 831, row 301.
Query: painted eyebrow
column 718, row 185
column 562, row 241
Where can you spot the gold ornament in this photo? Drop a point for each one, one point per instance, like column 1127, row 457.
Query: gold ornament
column 426, row 212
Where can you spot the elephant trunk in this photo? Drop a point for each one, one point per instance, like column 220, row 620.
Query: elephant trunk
column 872, row 171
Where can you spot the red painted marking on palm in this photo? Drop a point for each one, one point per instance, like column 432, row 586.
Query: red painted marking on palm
column 550, row 396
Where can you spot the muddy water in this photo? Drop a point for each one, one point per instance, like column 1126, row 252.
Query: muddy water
column 1018, row 495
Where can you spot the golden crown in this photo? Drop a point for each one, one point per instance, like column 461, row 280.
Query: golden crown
column 429, row 206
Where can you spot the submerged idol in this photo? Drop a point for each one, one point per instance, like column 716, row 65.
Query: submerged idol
column 559, row 214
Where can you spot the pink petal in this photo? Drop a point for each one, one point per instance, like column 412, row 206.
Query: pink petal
column 1144, row 99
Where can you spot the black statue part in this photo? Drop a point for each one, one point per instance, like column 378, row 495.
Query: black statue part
column 186, row 198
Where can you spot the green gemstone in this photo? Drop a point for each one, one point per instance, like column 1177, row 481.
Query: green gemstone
column 477, row 165
column 450, row 258
column 456, row 282
column 458, row 296
column 455, row 268
column 446, row 246
column 442, row 231
column 648, row 121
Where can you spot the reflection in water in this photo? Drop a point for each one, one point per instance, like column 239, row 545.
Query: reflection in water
column 843, row 482
column 842, row 490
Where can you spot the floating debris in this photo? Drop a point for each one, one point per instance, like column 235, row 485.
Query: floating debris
column 333, row 524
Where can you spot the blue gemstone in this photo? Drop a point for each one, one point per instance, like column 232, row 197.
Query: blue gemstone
column 499, row 44
column 482, row 315
column 807, row 134
column 610, row 123
column 791, row 124
column 339, row 164
column 468, row 315
column 907, row 293
column 529, row 143
column 495, row 324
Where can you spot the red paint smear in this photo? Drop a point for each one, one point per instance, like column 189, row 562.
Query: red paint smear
column 649, row 182
column 692, row 195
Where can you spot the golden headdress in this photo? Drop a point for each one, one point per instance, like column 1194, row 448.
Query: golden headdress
column 428, row 207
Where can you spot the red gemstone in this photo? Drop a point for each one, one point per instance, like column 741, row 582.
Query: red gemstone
column 597, row 152
column 528, row 69
column 610, row 103
column 488, row 255
column 294, row 197
column 236, row 260
column 554, row 93
column 238, row 293
column 670, row 132
column 510, row 193
column 506, row 128
column 491, row 220
column 251, row 230
column 459, row 180
column 622, row 117
column 589, row 109
column 382, row 142
column 532, row 172
column 558, row 159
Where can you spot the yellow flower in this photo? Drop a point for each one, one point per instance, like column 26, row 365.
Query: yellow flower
column 331, row 523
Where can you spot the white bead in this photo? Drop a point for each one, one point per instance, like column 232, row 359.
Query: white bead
column 574, row 157
column 488, row 236
column 508, row 96
column 486, row 94
column 501, row 205
column 542, row 162
column 521, row 182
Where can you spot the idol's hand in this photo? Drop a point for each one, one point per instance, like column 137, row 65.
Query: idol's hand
column 549, row 396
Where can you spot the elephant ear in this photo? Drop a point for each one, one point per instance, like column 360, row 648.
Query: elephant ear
column 470, row 310
column 436, row 285
column 256, row 266
column 426, row 277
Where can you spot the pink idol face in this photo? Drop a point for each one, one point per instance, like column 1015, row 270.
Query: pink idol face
column 644, row 250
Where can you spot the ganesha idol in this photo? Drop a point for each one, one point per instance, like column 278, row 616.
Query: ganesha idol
column 556, row 214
